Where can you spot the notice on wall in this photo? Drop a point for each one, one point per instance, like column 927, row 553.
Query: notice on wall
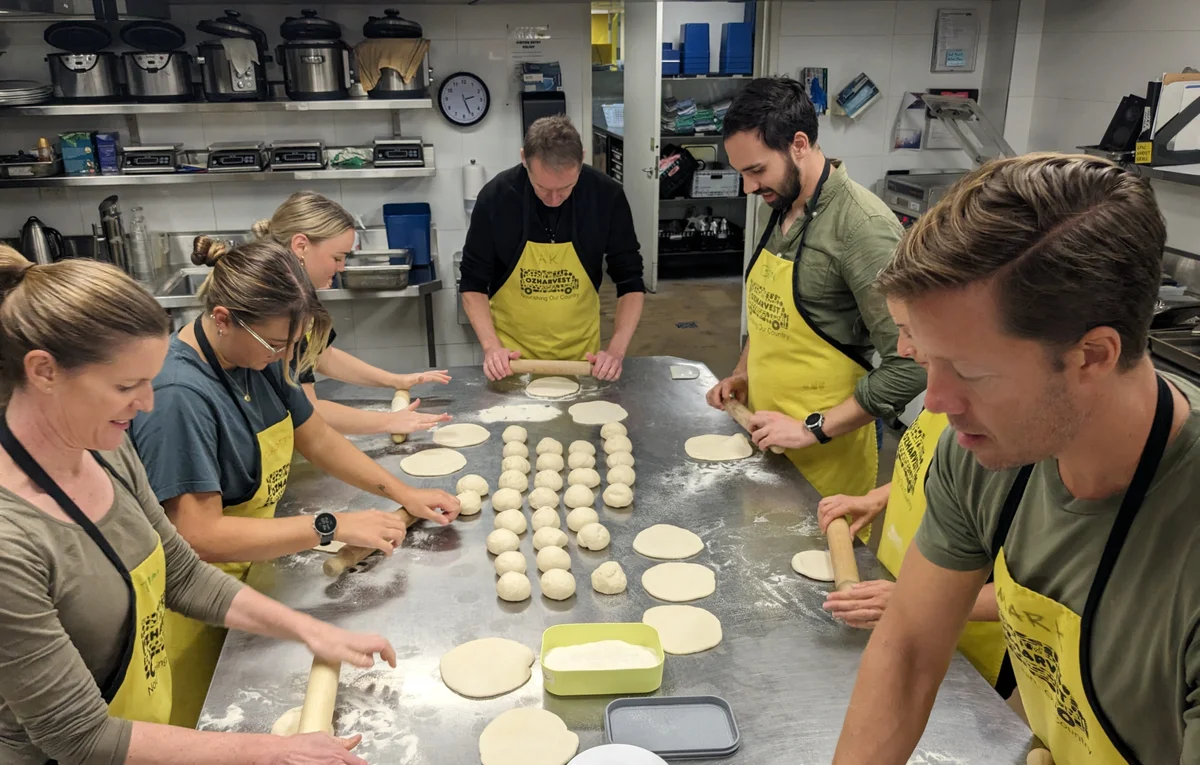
column 955, row 40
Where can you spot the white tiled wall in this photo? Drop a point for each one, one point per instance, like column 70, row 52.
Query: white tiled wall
column 472, row 38
column 893, row 43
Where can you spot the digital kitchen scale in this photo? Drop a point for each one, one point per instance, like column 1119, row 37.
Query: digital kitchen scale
column 144, row 160
column 236, row 157
column 399, row 152
column 915, row 191
column 298, row 155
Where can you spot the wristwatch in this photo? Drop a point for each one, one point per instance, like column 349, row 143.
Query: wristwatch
column 325, row 525
column 815, row 422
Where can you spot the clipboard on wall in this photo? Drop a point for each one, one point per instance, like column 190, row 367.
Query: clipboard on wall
column 955, row 40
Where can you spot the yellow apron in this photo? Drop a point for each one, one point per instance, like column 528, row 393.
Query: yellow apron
column 1050, row 645
column 547, row 308
column 139, row 687
column 982, row 642
column 193, row 646
column 796, row 369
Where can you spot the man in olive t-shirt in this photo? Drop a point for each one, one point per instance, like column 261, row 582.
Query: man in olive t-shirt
column 1029, row 291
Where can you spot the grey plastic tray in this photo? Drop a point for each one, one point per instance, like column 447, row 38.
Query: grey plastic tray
column 674, row 727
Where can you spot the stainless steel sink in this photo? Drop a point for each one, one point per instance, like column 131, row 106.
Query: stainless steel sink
column 179, row 291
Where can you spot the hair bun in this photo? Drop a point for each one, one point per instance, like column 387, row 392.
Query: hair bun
column 206, row 251
column 261, row 229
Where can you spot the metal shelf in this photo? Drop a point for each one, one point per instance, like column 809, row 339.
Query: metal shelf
column 708, row 76
column 211, row 107
column 702, row 200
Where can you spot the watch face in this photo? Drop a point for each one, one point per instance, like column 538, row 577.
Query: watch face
column 325, row 523
column 813, row 420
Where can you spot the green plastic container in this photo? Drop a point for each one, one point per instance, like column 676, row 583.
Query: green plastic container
column 612, row 682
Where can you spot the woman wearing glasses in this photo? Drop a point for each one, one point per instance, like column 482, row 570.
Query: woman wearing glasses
column 219, row 444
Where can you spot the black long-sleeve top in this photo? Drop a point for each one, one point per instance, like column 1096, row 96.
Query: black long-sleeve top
column 595, row 218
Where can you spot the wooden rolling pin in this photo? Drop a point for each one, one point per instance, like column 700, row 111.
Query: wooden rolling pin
column 741, row 414
column 841, row 551
column 349, row 556
column 316, row 716
column 1039, row 757
column 536, row 367
column 400, row 401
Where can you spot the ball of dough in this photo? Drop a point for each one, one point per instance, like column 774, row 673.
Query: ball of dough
column 618, row 495
column 506, row 499
column 609, row 578
column 611, row 429
column 469, row 502
column 549, row 446
column 515, row 449
column 580, row 517
column 502, row 541
column 512, row 560
column 472, row 482
column 513, row 520
column 513, row 479
column 580, row 460
column 558, row 584
column 594, row 537
column 622, row 474
column 581, row 447
column 547, row 479
column 583, row 477
column 550, row 462
column 545, row 516
column 553, row 557
column 619, row 458
column 547, row 537
column 542, row 497
column 579, row 496
column 513, row 587
column 515, row 433
column 515, row 462
column 618, row 444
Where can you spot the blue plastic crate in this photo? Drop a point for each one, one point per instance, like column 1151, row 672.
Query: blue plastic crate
column 695, row 66
column 408, row 225
column 670, row 67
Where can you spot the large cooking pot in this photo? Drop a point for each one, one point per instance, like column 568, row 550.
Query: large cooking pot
column 157, row 72
column 227, row 68
column 391, row 26
column 84, row 73
column 315, row 61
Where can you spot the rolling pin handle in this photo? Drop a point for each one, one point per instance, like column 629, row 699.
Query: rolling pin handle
column 841, row 551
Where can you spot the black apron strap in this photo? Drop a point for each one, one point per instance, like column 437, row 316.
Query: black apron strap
column 762, row 242
column 1009, row 510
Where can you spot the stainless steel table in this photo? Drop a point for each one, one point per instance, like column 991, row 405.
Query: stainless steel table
column 786, row 668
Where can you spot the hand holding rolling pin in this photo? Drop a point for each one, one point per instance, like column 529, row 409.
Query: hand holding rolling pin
column 858, row 511
column 769, row 429
column 495, row 362
column 734, row 386
column 316, row 749
column 334, row 645
column 606, row 365
column 430, row 504
column 409, row 420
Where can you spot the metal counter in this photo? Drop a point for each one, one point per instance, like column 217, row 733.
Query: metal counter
column 786, row 667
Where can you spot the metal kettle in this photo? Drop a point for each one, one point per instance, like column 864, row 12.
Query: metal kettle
column 40, row 243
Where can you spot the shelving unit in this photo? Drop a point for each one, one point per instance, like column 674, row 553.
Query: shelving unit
column 213, row 107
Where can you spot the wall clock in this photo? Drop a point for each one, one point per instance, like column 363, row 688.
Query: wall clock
column 464, row 99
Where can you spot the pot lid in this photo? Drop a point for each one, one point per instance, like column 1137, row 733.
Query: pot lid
column 78, row 36
column 391, row 25
column 153, row 36
column 309, row 26
column 231, row 26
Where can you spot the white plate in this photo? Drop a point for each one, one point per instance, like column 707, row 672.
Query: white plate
column 617, row 754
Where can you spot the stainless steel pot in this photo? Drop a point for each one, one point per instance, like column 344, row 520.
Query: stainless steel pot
column 392, row 85
column 84, row 77
column 159, row 77
column 223, row 81
column 315, row 70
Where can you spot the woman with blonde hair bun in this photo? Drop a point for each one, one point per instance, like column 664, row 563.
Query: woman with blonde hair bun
column 320, row 232
column 218, row 446
column 89, row 560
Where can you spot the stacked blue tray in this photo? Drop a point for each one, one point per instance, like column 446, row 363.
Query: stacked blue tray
column 737, row 48
column 670, row 59
column 693, row 42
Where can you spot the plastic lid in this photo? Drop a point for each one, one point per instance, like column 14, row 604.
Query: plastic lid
column 309, row 26
column 153, row 36
column 392, row 26
column 78, row 36
column 674, row 727
column 617, row 754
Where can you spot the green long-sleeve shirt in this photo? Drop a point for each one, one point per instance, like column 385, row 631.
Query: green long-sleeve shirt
column 851, row 237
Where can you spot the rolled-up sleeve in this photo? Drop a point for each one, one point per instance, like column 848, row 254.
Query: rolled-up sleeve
column 623, row 252
column 886, row 390
column 479, row 251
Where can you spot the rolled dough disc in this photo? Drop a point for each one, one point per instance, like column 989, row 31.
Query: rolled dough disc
column 814, row 564
column 463, row 434
column 488, row 667
column 400, row 401
column 527, row 736
column 667, row 542
column 684, row 629
column 433, row 462
column 597, row 413
column 679, row 582
column 288, row 723
column 717, row 448
column 552, row 387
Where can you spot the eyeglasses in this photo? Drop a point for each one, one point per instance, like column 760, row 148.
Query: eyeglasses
column 274, row 351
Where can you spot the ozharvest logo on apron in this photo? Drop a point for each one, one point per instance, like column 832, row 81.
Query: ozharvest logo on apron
column 765, row 307
column 544, row 284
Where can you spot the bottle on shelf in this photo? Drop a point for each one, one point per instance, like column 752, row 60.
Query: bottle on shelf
column 141, row 260
column 44, row 152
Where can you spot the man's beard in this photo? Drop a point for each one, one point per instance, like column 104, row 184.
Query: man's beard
column 787, row 195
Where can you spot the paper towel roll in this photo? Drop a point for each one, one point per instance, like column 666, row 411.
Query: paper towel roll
column 473, row 180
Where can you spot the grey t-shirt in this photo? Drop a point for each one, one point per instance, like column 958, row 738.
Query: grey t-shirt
column 1145, row 649
column 196, row 440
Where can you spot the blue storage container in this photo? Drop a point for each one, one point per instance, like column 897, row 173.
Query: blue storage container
column 408, row 226
column 670, row 68
column 737, row 41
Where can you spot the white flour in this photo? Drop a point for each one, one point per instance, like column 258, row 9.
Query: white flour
column 520, row 413
column 601, row 655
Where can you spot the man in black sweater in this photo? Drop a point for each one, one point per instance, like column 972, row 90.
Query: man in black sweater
column 533, row 258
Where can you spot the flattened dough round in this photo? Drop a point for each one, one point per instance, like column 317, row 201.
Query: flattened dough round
column 579, row 496
column 618, row 444
column 512, row 560
column 617, row 459
column 611, row 429
column 515, row 449
column 488, row 667
column 527, row 736
column 543, row 497
column 545, row 517
column 515, row 434
column 618, row 495
column 513, row 587
column 552, row 387
column 549, row 479
column 718, row 448
column 469, row 502
column 429, row 462
column 684, row 629
column 667, row 542
column 584, row 476
column 814, row 564
column 580, row 460
column 679, row 582
column 594, row 537
column 513, row 520
column 506, row 499
column 580, row 517
column 622, row 474
column 288, row 723
column 609, row 578
column 473, row 482
column 597, row 413
column 460, row 435
column 552, row 462
column 553, row 557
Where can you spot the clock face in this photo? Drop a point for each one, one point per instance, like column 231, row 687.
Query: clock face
column 464, row 99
